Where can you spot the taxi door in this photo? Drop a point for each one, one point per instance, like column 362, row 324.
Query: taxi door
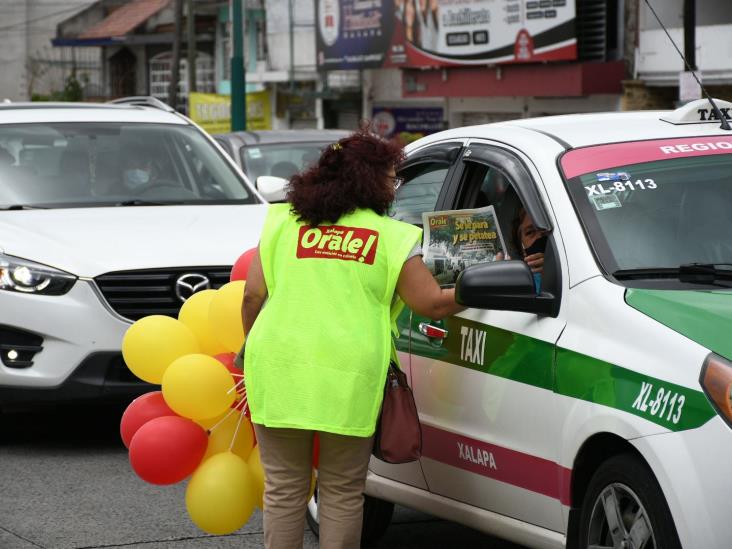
column 483, row 380
column 426, row 173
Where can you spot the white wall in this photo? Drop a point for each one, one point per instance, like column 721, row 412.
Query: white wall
column 278, row 34
column 671, row 13
column 26, row 30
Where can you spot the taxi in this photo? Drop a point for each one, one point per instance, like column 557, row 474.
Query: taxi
column 596, row 412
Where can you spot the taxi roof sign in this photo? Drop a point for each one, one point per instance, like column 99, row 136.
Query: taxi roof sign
column 699, row 112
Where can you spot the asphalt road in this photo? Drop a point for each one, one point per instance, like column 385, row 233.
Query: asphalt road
column 65, row 483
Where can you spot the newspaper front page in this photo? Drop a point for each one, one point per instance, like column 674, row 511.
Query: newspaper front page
column 456, row 239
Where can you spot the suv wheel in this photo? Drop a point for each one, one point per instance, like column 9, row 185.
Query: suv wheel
column 625, row 508
column 376, row 517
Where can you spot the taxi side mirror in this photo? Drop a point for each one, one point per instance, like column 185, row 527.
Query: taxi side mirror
column 272, row 188
column 502, row 285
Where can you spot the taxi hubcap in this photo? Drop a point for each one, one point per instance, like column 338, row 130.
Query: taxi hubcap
column 619, row 521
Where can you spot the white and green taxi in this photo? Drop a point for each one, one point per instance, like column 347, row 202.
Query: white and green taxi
column 596, row 413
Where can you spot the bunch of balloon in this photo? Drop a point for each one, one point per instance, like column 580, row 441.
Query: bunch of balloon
column 197, row 426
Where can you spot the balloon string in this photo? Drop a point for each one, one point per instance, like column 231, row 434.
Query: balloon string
column 235, row 387
column 219, row 422
column 236, row 431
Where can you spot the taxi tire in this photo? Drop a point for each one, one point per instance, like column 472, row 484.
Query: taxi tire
column 631, row 471
column 376, row 518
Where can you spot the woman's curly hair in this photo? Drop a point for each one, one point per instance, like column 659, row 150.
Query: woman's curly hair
column 348, row 175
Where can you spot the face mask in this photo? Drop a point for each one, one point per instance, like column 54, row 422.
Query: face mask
column 136, row 178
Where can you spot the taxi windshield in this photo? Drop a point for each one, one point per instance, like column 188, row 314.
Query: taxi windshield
column 665, row 209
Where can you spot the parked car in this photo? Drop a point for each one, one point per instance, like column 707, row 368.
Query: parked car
column 597, row 413
column 108, row 213
column 267, row 154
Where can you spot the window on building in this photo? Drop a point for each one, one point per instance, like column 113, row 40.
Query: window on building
column 160, row 70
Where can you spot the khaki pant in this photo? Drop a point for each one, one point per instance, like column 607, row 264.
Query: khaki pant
column 287, row 461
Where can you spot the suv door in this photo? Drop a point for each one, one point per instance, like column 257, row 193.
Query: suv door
column 485, row 391
column 426, row 173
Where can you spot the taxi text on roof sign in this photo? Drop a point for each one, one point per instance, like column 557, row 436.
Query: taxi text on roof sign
column 699, row 111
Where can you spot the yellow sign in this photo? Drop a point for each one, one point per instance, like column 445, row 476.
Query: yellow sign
column 259, row 111
column 212, row 111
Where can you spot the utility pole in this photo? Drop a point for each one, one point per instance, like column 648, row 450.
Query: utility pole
column 175, row 61
column 191, row 35
column 238, row 75
column 690, row 33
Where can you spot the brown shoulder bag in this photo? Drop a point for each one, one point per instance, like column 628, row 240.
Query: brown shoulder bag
column 398, row 437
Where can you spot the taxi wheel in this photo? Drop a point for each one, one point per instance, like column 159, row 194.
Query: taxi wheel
column 624, row 507
column 376, row 517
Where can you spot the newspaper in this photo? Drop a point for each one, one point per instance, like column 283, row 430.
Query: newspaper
column 455, row 239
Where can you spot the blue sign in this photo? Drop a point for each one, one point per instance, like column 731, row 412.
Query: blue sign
column 390, row 122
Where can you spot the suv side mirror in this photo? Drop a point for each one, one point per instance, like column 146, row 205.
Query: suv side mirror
column 272, row 188
column 502, row 285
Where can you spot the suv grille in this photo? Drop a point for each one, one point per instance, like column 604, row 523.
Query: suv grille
column 135, row 294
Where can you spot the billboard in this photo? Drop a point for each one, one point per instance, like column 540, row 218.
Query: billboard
column 407, row 123
column 212, row 111
column 356, row 34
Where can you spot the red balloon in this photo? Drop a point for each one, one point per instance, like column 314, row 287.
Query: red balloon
column 140, row 411
column 241, row 267
column 167, row 449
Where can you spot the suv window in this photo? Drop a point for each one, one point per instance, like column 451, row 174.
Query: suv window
column 281, row 160
column 88, row 164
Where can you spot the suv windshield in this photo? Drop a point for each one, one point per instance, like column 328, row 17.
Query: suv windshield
column 96, row 164
column 664, row 210
column 281, row 160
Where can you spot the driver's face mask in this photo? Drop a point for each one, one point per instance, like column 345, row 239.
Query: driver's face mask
column 136, row 178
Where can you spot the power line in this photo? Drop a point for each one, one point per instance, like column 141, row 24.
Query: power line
column 42, row 18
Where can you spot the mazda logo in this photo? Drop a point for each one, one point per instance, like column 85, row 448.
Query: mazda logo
column 190, row 283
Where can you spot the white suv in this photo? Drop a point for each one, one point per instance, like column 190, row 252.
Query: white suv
column 108, row 213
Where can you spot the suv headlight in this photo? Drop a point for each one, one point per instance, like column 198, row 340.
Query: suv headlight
column 21, row 275
column 716, row 379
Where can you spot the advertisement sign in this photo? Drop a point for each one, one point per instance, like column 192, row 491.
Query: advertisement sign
column 212, row 111
column 259, row 111
column 408, row 124
column 427, row 33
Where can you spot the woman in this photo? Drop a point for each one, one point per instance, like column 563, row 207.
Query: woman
column 328, row 264
column 531, row 242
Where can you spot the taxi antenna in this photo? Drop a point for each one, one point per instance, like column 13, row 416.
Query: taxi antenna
column 723, row 119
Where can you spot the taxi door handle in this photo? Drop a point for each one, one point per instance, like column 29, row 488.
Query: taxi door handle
column 431, row 331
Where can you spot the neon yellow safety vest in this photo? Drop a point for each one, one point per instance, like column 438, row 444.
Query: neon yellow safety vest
column 317, row 354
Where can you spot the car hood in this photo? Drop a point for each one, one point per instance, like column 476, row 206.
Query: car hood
column 91, row 241
column 703, row 316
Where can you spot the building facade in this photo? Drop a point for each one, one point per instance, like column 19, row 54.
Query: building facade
column 37, row 69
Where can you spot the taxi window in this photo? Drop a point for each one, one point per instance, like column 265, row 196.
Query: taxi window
column 419, row 192
column 670, row 211
column 424, row 174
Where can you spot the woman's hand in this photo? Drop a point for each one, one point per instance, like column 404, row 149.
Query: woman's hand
column 535, row 262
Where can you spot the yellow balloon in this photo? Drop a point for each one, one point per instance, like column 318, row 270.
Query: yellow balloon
column 220, row 497
column 225, row 315
column 220, row 438
column 152, row 343
column 198, row 386
column 194, row 314
column 211, row 421
column 255, row 466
